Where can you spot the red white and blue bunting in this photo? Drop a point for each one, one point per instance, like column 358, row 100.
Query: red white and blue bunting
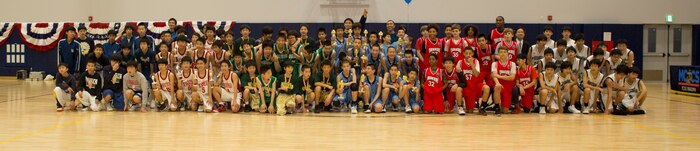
column 45, row 36
column 199, row 25
column 42, row 36
column 98, row 31
column 5, row 31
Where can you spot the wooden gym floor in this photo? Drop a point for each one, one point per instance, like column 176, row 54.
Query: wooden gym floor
column 28, row 121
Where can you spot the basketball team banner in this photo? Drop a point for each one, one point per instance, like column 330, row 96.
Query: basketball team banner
column 685, row 78
column 45, row 36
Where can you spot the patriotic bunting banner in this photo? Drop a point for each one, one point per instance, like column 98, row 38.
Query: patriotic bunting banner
column 5, row 31
column 45, row 36
column 42, row 36
column 98, row 31
column 199, row 25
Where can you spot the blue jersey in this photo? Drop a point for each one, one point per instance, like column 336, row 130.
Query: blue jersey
column 345, row 79
column 373, row 86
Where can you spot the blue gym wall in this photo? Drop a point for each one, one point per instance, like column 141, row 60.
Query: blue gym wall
column 46, row 61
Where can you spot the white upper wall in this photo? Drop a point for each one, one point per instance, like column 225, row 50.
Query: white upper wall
column 312, row 11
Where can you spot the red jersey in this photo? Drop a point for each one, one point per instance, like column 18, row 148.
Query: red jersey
column 527, row 75
column 505, row 70
column 433, row 48
column 496, row 37
column 433, row 81
column 512, row 49
column 484, row 58
column 455, row 48
column 469, row 75
column 471, row 42
column 451, row 78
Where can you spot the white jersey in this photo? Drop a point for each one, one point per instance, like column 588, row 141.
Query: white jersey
column 583, row 52
column 633, row 89
column 178, row 56
column 537, row 54
column 551, row 83
column 187, row 80
column 544, row 63
column 559, row 56
column 617, row 82
column 226, row 83
column 203, row 82
column 564, row 81
column 576, row 65
column 613, row 65
column 597, row 81
column 164, row 82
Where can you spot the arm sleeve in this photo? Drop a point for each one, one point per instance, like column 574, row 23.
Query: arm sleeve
column 144, row 88
column 462, row 81
column 98, row 87
column 363, row 20
column 81, row 81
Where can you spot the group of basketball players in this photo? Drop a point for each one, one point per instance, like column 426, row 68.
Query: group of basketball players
column 352, row 71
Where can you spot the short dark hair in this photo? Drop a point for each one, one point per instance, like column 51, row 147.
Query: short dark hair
column 622, row 69
column 202, row 59
column 598, row 51
column 81, row 27
column 578, row 37
column 126, row 45
column 132, row 63
column 112, row 32
column 326, row 63
column 267, row 44
column 142, row 24
column 546, row 28
column 522, row 56
column 117, row 58
column 98, row 46
column 70, row 28
column 244, row 26
column 621, row 41
column 597, row 62
column 448, row 58
column 550, row 65
column 162, row 61
column 144, row 40
column 267, row 30
column 635, row 70
column 561, row 42
column 616, row 52
column 434, row 26
column 264, row 69
column 565, row 65
column 541, row 37
column 548, row 51
column 566, row 28
column 63, row 64
column 570, row 48
column 172, row 19
column 250, row 63
column 218, row 43
column 186, row 59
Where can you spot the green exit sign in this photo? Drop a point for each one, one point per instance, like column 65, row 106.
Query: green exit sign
column 669, row 18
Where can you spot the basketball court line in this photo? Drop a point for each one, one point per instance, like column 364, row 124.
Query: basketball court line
column 29, row 97
column 49, row 129
column 650, row 129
